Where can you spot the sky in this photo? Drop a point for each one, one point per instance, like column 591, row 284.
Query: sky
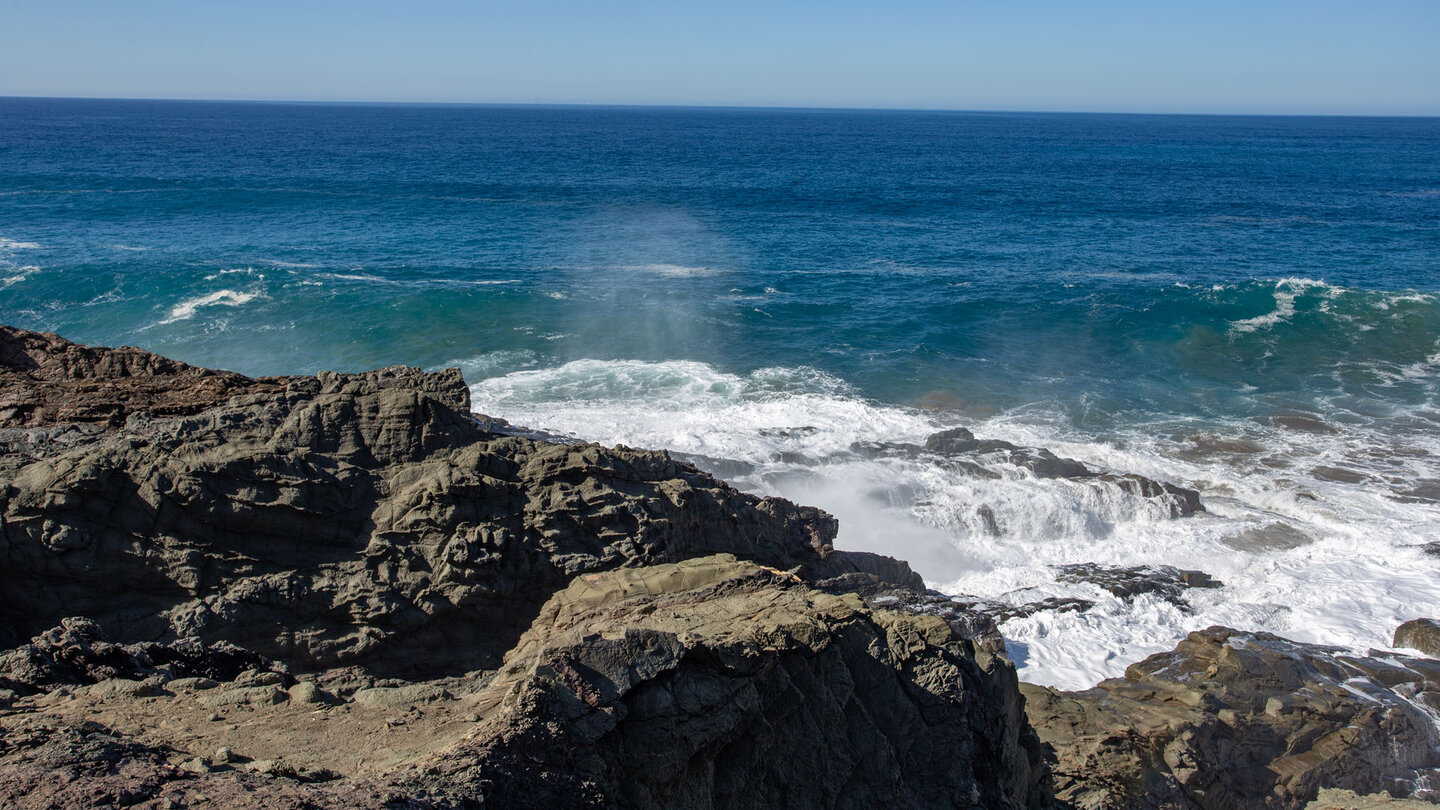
column 1377, row 57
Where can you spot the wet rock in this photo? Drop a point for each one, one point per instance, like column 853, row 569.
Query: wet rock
column 1241, row 720
column 1342, row 475
column 954, row 441
column 1002, row 612
column 967, row 618
column 716, row 682
column 1419, row 634
column 1164, row 581
column 1425, row 490
column 959, row 442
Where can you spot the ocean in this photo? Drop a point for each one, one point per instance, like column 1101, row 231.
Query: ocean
column 1248, row 306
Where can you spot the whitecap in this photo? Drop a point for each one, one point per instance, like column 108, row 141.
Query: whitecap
column 17, row 275
column 248, row 271
column 187, row 308
column 1286, row 291
column 12, row 244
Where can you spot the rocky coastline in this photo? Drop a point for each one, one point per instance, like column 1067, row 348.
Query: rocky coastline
column 347, row 590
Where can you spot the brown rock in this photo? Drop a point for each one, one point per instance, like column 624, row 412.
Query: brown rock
column 1419, row 634
column 1241, row 720
column 253, row 520
column 720, row 683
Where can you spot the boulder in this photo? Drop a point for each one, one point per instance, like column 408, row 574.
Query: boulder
column 721, row 683
column 1419, row 634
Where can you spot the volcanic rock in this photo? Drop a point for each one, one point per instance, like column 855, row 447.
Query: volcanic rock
column 45, row 380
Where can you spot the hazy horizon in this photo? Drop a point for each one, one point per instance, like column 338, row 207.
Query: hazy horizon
column 1228, row 57
column 737, row 107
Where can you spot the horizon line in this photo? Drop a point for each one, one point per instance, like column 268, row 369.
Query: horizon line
column 688, row 106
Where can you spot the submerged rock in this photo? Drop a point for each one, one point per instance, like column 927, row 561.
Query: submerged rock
column 1273, row 537
column 1243, row 720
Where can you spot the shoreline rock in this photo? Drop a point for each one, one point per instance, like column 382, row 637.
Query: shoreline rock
column 1235, row 719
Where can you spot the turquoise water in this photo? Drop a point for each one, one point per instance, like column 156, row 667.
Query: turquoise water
column 1246, row 305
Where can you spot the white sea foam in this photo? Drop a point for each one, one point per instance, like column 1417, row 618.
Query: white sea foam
column 247, row 271
column 15, row 275
column 187, row 308
column 1286, row 291
column 790, row 431
column 12, row 244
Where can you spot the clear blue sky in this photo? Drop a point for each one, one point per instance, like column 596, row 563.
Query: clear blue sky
column 1285, row 56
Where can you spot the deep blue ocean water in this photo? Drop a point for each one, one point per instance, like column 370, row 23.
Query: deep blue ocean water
column 1241, row 304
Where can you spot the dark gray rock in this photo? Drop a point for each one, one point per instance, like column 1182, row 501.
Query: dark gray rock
column 958, row 443
column 76, row 653
column 1167, row 582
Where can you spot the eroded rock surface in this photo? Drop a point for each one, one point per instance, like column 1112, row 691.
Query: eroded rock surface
column 365, row 553
column 1243, row 720
column 798, row 697
column 46, row 380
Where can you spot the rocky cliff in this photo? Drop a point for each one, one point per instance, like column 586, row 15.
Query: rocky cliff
column 364, row 535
